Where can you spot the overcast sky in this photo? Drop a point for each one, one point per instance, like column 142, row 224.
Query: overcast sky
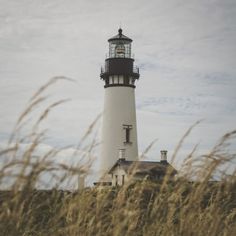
column 186, row 51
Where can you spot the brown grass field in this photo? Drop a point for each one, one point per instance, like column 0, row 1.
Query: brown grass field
column 192, row 204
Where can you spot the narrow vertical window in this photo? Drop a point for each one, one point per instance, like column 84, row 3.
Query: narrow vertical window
column 115, row 79
column 110, row 80
column 116, row 180
column 126, row 80
column 127, row 129
column 121, row 80
column 123, row 179
column 106, row 81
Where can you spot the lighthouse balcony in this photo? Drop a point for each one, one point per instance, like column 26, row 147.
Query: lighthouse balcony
column 115, row 55
column 119, row 80
column 106, row 72
column 119, row 66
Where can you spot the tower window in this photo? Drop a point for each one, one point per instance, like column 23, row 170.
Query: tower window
column 121, row 80
column 126, row 80
column 127, row 129
column 115, row 80
column 116, row 183
column 110, row 80
column 123, row 179
column 130, row 80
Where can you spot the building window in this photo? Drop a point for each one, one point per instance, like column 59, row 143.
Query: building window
column 110, row 80
column 127, row 129
column 126, row 80
column 107, row 81
column 115, row 80
column 123, row 179
column 130, row 80
column 116, row 183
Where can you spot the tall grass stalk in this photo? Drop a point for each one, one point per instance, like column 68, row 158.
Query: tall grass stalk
column 191, row 204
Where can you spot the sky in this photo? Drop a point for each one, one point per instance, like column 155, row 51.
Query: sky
column 185, row 50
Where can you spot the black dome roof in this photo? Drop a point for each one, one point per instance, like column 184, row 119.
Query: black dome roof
column 120, row 36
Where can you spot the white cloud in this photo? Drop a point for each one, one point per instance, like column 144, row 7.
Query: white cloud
column 186, row 51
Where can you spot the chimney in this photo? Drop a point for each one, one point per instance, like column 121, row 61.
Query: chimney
column 121, row 154
column 81, row 181
column 163, row 156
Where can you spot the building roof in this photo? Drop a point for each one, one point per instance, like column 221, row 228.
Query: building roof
column 120, row 36
column 144, row 167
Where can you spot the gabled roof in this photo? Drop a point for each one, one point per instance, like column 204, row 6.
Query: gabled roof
column 120, row 36
column 144, row 167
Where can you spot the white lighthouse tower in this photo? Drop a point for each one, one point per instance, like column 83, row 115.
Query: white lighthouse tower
column 119, row 131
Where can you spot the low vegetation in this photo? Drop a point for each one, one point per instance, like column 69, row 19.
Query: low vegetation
column 192, row 204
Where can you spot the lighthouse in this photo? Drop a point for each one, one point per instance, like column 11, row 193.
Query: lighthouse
column 119, row 129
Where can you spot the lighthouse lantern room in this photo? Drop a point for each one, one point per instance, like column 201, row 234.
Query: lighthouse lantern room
column 119, row 131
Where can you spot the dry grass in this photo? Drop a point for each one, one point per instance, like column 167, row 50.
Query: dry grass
column 171, row 207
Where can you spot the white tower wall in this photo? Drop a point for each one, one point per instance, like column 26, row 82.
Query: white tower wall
column 119, row 110
column 119, row 117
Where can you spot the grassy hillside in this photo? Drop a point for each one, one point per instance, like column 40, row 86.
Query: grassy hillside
column 192, row 204
column 144, row 208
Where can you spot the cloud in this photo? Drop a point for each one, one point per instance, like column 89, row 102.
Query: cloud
column 185, row 50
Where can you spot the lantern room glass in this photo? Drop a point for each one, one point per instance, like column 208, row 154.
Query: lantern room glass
column 119, row 48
